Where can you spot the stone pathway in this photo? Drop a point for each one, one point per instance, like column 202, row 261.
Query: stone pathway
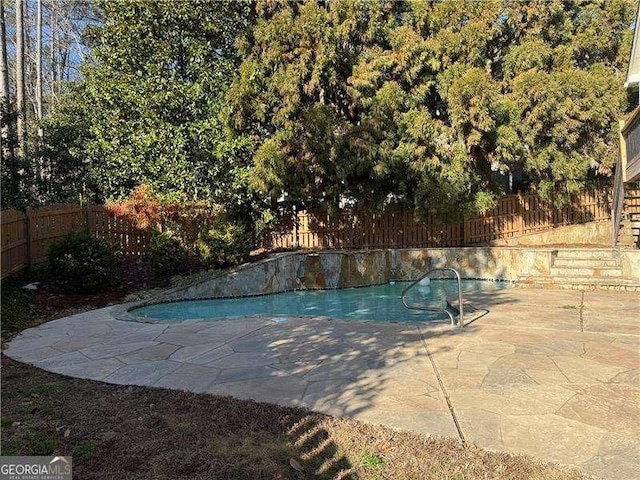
column 548, row 373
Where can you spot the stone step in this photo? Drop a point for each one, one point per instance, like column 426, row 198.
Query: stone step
column 595, row 272
column 580, row 280
column 581, row 286
column 596, row 253
column 628, row 234
column 586, row 262
column 628, row 242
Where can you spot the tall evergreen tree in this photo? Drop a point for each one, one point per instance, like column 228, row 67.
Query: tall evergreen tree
column 424, row 100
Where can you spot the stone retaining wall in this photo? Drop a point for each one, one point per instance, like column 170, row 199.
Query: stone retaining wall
column 473, row 262
column 333, row 269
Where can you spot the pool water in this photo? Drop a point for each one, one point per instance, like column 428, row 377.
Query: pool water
column 379, row 303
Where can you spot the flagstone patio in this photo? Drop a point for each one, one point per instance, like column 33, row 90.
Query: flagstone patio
column 550, row 373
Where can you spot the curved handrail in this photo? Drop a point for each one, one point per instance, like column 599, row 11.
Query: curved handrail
column 441, row 269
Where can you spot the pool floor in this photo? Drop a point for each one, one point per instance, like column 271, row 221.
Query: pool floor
column 378, row 303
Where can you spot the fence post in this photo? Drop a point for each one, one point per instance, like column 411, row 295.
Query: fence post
column 296, row 227
column 466, row 233
column 29, row 231
column 520, row 215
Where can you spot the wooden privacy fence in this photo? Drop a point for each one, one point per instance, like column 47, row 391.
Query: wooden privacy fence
column 129, row 239
column 26, row 237
column 396, row 227
column 15, row 249
column 47, row 224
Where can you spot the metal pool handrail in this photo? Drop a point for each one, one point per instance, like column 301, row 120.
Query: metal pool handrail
column 460, row 309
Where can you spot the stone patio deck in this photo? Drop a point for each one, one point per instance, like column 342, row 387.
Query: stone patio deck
column 548, row 373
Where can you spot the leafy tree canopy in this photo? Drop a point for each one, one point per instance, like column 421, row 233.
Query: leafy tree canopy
column 422, row 100
column 149, row 108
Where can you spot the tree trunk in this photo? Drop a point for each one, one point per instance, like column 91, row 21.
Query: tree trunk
column 20, row 80
column 42, row 170
column 39, row 66
column 4, row 84
column 53, row 25
column 63, row 40
column 4, row 65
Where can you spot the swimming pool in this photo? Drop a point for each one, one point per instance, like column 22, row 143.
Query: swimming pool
column 378, row 303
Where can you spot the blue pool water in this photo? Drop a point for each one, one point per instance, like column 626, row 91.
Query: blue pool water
column 379, row 303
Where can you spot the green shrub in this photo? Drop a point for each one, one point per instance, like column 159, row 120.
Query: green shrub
column 80, row 263
column 165, row 255
column 224, row 244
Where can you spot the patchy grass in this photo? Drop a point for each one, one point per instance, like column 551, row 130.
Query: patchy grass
column 29, row 442
column 372, row 461
column 135, row 432
column 116, row 431
column 84, row 450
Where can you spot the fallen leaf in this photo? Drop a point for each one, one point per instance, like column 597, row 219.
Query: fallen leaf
column 295, row 464
column 67, row 432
